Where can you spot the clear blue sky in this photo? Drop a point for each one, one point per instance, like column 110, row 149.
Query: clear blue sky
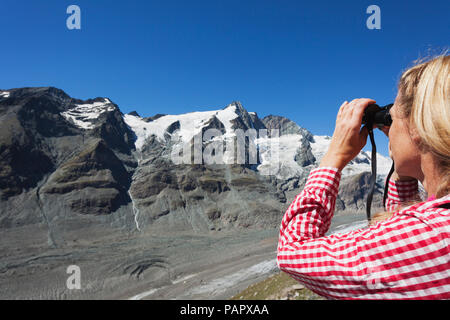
column 298, row 59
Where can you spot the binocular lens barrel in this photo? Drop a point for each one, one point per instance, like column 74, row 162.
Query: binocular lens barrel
column 376, row 115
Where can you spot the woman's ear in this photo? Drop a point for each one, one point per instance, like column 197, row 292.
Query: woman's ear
column 415, row 137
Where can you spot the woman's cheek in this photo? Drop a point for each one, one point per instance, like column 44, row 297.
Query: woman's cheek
column 390, row 151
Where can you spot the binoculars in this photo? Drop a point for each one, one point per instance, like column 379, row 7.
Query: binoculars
column 376, row 115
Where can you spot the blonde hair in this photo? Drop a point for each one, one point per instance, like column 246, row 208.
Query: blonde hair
column 425, row 99
column 424, row 93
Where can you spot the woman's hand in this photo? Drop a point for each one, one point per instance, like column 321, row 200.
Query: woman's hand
column 348, row 137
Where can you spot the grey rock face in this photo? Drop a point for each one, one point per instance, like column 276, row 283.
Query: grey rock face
column 304, row 156
column 284, row 125
column 42, row 153
column 156, row 116
column 245, row 120
column 353, row 193
column 96, row 169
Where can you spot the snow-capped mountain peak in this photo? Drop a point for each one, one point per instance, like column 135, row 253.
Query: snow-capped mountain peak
column 297, row 150
column 189, row 124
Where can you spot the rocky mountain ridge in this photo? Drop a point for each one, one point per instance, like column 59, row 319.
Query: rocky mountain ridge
column 63, row 159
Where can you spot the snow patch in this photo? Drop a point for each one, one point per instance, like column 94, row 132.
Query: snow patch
column 361, row 163
column 135, row 211
column 82, row 115
column 190, row 124
column 286, row 167
column 283, row 166
column 320, row 146
column 5, row 94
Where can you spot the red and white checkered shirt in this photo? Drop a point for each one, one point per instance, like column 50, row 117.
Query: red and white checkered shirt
column 404, row 257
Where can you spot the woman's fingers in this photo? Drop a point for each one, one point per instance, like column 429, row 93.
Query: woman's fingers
column 343, row 104
column 348, row 137
column 341, row 108
column 353, row 112
column 364, row 133
column 360, row 106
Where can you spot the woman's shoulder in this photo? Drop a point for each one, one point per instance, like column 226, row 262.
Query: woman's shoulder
column 430, row 212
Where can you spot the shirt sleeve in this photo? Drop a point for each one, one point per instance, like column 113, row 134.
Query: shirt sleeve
column 400, row 193
column 399, row 258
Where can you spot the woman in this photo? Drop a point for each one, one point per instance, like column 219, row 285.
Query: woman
column 407, row 255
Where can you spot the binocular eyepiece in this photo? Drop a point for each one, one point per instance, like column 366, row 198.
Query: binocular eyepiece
column 376, row 115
